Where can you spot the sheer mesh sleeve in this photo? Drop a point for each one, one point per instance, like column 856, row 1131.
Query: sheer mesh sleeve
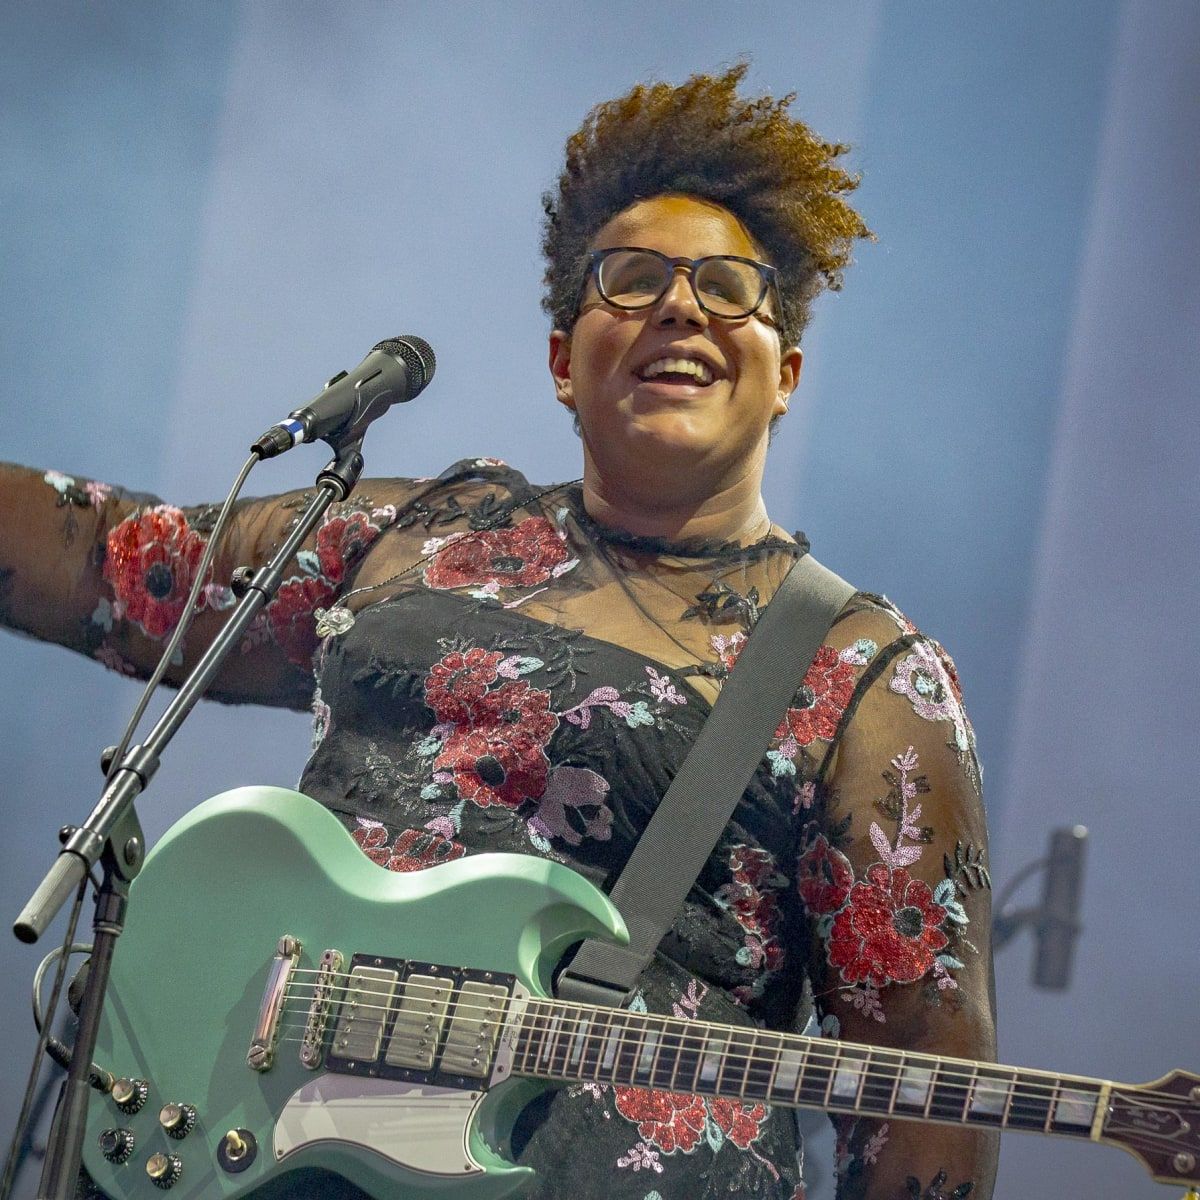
column 107, row 573
column 892, row 869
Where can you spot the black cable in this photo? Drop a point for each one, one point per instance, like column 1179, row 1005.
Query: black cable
column 10, row 1163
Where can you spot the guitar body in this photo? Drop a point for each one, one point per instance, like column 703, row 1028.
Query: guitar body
column 187, row 995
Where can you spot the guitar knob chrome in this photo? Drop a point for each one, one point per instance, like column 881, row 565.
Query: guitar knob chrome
column 164, row 1170
column 177, row 1120
column 116, row 1144
column 130, row 1094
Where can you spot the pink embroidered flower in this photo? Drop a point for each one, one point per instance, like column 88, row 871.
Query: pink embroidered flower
column 291, row 616
column 341, row 540
column 525, row 555
column 824, row 877
column 669, row 1120
column 727, row 649
column 457, row 683
column 151, row 561
column 888, row 932
column 825, row 693
column 498, row 757
column 413, row 849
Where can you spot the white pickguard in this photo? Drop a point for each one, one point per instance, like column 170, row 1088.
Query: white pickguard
column 417, row 1126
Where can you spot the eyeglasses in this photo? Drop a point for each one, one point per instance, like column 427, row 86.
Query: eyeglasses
column 724, row 285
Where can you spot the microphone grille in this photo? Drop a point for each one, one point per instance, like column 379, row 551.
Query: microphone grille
column 415, row 353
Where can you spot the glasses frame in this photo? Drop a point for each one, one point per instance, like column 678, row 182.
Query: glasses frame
column 767, row 273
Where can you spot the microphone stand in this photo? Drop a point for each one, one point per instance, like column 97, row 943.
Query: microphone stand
column 112, row 834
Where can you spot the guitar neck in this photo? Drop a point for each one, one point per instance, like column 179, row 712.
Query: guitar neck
column 574, row 1042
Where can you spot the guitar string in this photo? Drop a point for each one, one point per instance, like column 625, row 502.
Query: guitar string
column 676, row 1028
column 1150, row 1142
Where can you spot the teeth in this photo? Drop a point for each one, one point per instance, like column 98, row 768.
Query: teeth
column 678, row 366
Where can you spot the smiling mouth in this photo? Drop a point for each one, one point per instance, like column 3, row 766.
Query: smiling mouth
column 687, row 372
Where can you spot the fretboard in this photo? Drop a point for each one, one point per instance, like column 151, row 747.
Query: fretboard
column 561, row 1041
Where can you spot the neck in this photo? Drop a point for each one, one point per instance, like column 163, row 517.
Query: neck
column 734, row 513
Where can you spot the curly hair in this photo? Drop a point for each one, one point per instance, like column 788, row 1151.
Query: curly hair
column 701, row 139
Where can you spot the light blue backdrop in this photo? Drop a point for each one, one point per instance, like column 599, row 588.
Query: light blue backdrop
column 209, row 209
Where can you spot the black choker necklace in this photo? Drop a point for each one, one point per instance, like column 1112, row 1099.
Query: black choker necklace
column 692, row 548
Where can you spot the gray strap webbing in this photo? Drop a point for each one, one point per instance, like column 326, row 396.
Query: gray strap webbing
column 697, row 806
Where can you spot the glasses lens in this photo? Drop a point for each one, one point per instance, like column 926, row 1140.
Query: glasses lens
column 632, row 278
column 728, row 287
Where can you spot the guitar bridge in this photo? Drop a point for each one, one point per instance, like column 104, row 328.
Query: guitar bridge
column 261, row 1054
column 312, row 1044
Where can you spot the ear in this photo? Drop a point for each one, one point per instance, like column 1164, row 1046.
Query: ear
column 790, row 362
column 560, row 368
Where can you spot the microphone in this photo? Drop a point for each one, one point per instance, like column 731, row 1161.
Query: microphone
column 1058, row 921
column 395, row 372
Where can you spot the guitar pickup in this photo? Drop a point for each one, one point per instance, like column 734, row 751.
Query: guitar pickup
column 478, row 1014
column 365, row 1006
column 420, row 1018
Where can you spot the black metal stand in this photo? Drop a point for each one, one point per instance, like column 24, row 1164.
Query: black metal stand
column 112, row 834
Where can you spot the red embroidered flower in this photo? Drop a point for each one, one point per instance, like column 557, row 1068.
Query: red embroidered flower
column 456, row 684
column 151, row 562
column 750, row 896
column 830, row 684
column 825, row 877
column 522, row 556
column 291, row 616
column 499, row 756
column 669, row 1120
column 888, row 933
column 341, row 540
column 413, row 850
column 740, row 1123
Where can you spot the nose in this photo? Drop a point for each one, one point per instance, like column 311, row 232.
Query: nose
column 678, row 304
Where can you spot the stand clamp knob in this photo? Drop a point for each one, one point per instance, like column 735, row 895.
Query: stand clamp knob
column 164, row 1170
column 130, row 1094
column 177, row 1120
column 116, row 1144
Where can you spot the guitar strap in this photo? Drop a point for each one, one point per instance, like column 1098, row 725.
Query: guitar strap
column 706, row 789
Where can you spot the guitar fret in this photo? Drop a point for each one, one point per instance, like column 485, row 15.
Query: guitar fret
column 990, row 1095
column 949, row 1095
column 666, row 1058
column 785, row 1081
column 848, row 1075
column 612, row 1046
column 627, row 1053
column 914, row 1087
column 1050, row 1105
column 736, row 1063
column 1074, row 1108
column 834, row 1062
column 643, row 1071
column 536, row 1025
column 880, row 1081
column 816, row 1074
column 549, row 1041
column 711, row 1059
column 583, row 1024
column 761, row 1069
column 686, row 1076
column 1030, row 1103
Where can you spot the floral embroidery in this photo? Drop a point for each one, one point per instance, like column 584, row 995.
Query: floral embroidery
column 824, row 695
column 936, row 1189
column 751, row 898
column 641, row 1156
column 529, row 553
column 933, row 690
column 290, row 616
column 662, row 689
column 727, row 649
column 322, row 719
column 574, row 791
column 412, row 850
column 889, row 931
column 151, row 561
column 457, row 683
column 342, row 539
column 825, row 877
column 669, row 1120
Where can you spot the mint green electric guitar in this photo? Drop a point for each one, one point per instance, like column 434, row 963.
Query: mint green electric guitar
column 278, row 1001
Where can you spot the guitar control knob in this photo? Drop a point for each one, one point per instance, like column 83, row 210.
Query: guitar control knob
column 177, row 1120
column 130, row 1094
column 116, row 1144
column 164, row 1170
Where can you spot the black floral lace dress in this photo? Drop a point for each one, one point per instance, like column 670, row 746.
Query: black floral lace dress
column 494, row 671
